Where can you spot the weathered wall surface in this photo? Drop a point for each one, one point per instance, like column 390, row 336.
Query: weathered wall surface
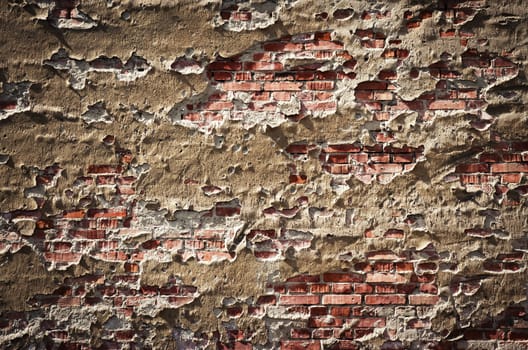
column 287, row 174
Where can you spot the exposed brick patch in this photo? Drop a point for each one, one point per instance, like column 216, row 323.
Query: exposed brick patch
column 367, row 163
column 135, row 67
column 65, row 14
column 271, row 82
column 342, row 308
column 65, row 317
column 414, row 19
column 460, row 12
column 506, row 263
column 103, row 232
column 248, row 15
column 499, row 169
column 273, row 244
column 451, row 95
column 509, row 329
column 265, row 85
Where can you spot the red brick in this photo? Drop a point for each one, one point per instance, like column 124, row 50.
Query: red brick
column 380, row 157
column 516, row 256
column 472, row 168
column 519, row 146
column 358, row 157
column 363, row 288
column 131, row 268
column 490, row 157
column 88, row 234
column 429, row 288
column 424, row 278
column 263, row 66
column 394, row 233
column 177, row 301
column 382, row 266
column 447, row 104
column 373, row 43
column 241, row 86
column 341, row 299
column 323, row 45
column 242, row 76
column 242, row 16
column 107, row 213
column 364, row 95
column 385, row 299
column 105, row 180
column 298, row 288
column 470, row 179
column 349, row 148
column 341, row 311
column 385, row 278
column 408, row 105
column 282, row 86
column 509, row 167
column 222, row 210
column 319, row 288
column 323, row 95
column 387, row 74
column 518, row 334
column 62, row 257
column 372, row 85
column 320, row 106
column 112, row 256
column 403, row 158
column 323, row 36
column 342, row 288
column 74, row 214
column 69, row 301
column 221, row 76
column 267, row 300
column 105, row 169
column 297, row 179
column 395, row 53
column 218, row 105
column 320, row 85
column 318, row 311
column 304, row 278
column 225, row 65
column 299, row 299
column 342, row 277
column 502, row 62
column 512, row 157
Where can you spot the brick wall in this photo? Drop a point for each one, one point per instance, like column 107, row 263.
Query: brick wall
column 379, row 201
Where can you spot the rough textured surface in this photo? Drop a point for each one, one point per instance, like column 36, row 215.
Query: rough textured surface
column 258, row 174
